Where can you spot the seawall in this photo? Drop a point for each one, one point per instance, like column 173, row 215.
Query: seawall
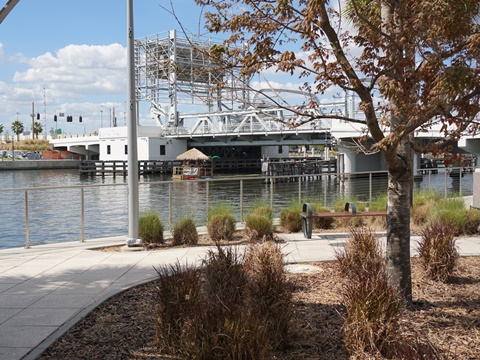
column 39, row 164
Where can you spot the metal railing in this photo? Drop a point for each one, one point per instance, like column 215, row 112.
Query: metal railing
column 66, row 213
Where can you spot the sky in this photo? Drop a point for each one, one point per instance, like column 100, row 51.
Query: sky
column 70, row 57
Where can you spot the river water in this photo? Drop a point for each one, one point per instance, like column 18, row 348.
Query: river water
column 54, row 214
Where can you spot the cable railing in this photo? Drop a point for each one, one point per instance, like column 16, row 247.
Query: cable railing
column 34, row 216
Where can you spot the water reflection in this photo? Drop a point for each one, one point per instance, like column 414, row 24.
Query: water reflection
column 54, row 214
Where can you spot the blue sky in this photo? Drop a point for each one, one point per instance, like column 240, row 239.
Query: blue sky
column 76, row 51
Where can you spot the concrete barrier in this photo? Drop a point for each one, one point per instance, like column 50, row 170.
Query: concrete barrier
column 39, row 164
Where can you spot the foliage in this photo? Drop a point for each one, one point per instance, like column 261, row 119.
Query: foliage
column 269, row 293
column 178, row 296
column 37, row 128
column 221, row 227
column 339, row 206
column 373, row 306
column 185, row 232
column 437, row 250
column 17, row 128
column 472, row 224
column 239, row 309
column 451, row 212
column 224, row 275
column 150, row 229
column 291, row 220
column 361, row 252
column 259, row 225
column 265, row 211
column 323, row 222
column 416, row 66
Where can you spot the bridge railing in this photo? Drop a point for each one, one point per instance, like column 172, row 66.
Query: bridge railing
column 34, row 216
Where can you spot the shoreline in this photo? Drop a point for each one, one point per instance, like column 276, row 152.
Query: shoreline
column 39, row 164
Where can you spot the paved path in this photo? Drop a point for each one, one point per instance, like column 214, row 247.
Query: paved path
column 46, row 289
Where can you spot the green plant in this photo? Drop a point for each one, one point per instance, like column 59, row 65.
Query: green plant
column 185, row 232
column 472, row 224
column 379, row 203
column 221, row 227
column 150, row 229
column 339, row 206
column 437, row 251
column 291, row 220
column 265, row 211
column 324, row 222
column 260, row 226
column 449, row 211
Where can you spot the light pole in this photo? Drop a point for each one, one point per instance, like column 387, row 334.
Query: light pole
column 110, row 112
column 101, row 119
column 132, row 175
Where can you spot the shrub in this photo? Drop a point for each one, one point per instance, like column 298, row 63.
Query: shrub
column 220, row 333
column 150, row 229
column 225, row 279
column 378, row 204
column 178, row 296
column 472, row 224
column 221, row 227
column 362, row 252
column 324, row 222
column 437, row 251
column 265, row 211
column 339, row 206
column 449, row 211
column 268, row 293
column 185, row 232
column 260, row 226
column 291, row 220
column 373, row 309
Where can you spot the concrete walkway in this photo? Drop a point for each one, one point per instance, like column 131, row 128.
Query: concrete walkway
column 46, row 289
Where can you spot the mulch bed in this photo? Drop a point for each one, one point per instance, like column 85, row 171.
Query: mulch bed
column 445, row 315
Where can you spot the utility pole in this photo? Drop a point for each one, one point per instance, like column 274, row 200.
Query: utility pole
column 132, row 175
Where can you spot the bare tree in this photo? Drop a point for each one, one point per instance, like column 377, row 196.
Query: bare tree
column 417, row 66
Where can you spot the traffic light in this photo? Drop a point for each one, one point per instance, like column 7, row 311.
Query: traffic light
column 69, row 118
column 55, row 118
column 79, row 119
column 38, row 116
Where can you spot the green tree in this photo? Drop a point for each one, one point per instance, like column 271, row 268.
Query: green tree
column 417, row 65
column 37, row 129
column 1, row 132
column 17, row 128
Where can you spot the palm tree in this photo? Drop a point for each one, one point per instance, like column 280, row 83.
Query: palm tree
column 1, row 132
column 37, row 129
column 17, row 128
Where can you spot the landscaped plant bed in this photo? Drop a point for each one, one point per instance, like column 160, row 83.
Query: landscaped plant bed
column 446, row 315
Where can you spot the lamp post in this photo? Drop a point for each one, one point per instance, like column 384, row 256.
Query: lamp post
column 110, row 112
column 101, row 119
column 132, row 175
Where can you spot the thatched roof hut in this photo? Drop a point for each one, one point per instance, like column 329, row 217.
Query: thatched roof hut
column 192, row 154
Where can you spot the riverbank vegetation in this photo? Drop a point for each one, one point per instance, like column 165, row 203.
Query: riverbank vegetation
column 28, row 145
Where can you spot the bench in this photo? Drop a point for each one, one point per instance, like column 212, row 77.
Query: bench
column 350, row 211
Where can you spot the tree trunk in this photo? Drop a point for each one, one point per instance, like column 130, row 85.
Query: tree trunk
column 400, row 190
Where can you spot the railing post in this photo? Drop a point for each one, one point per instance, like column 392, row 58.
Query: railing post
column 27, row 232
column 208, row 197
column 299, row 189
column 370, row 189
column 82, row 201
column 241, row 200
column 445, row 183
column 460, row 174
column 271, row 193
column 170, row 202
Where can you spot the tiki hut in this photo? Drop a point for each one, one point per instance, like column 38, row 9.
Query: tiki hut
column 195, row 165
